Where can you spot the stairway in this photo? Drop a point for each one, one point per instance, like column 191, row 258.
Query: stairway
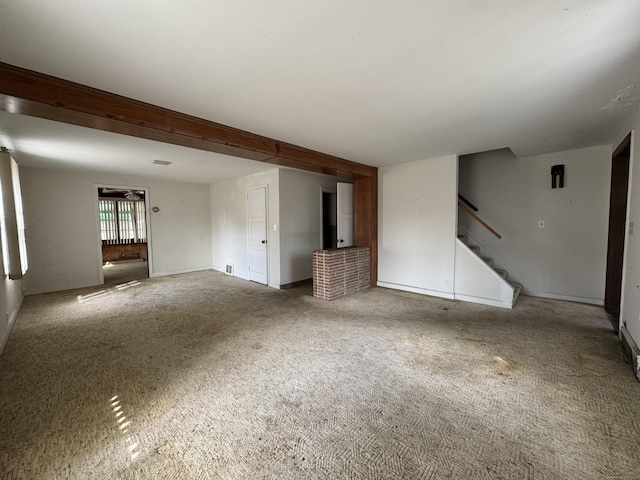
column 501, row 277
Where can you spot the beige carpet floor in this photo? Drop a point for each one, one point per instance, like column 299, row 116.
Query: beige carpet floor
column 116, row 273
column 205, row 376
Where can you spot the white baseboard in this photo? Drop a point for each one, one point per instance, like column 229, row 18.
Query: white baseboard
column 5, row 337
column 631, row 349
column 178, row 272
column 421, row 291
column 481, row 300
column 568, row 298
column 10, row 323
column 16, row 311
column 274, row 285
column 220, row 269
column 60, row 288
column 243, row 276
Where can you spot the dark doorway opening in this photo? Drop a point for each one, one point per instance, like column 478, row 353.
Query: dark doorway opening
column 617, row 229
column 329, row 219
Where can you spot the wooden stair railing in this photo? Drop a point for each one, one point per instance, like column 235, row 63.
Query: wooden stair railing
column 478, row 219
column 469, row 204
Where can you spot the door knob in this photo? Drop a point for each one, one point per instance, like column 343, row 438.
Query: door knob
column 264, row 241
column 341, row 241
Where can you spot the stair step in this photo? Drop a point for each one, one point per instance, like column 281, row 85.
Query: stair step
column 475, row 249
column 463, row 238
column 502, row 273
column 517, row 288
column 487, row 260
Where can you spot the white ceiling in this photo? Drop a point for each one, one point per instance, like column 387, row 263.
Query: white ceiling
column 39, row 143
column 374, row 81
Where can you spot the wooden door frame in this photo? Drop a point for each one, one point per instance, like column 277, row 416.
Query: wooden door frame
column 617, row 232
column 147, row 219
column 31, row 93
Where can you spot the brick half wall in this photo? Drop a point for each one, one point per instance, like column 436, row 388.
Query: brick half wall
column 339, row 272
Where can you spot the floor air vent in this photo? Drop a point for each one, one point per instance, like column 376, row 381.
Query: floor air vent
column 229, row 269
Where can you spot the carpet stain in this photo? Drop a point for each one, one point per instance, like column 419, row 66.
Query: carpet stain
column 504, row 365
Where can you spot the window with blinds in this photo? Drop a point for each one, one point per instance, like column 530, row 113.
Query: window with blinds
column 12, row 229
column 122, row 221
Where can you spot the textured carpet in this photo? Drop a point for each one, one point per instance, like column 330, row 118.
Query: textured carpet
column 205, row 376
column 116, row 273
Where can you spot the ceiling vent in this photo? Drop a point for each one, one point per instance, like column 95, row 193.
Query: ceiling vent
column 161, row 162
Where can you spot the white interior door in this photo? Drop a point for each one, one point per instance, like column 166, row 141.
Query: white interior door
column 345, row 215
column 257, row 229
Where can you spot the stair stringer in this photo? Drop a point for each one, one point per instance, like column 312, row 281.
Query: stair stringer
column 499, row 263
column 477, row 282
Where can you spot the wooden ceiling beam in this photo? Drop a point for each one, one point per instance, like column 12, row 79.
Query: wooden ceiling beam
column 31, row 93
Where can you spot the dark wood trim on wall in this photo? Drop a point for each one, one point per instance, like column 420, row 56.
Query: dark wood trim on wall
column 617, row 229
column 366, row 216
column 31, row 93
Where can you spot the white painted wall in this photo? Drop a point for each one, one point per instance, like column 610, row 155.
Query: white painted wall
column 567, row 258
column 477, row 282
column 300, row 222
column 229, row 223
column 294, row 209
column 630, row 307
column 417, row 217
column 11, row 296
column 62, row 235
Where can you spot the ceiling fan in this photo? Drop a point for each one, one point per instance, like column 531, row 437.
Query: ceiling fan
column 128, row 194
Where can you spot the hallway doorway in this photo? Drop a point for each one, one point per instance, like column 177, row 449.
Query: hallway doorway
column 123, row 225
column 617, row 229
column 329, row 216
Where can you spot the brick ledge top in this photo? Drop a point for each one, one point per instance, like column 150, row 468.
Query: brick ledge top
column 329, row 250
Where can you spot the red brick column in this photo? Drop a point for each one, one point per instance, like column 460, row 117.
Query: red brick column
column 339, row 272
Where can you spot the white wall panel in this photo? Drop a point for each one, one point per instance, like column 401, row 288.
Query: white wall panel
column 417, row 217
